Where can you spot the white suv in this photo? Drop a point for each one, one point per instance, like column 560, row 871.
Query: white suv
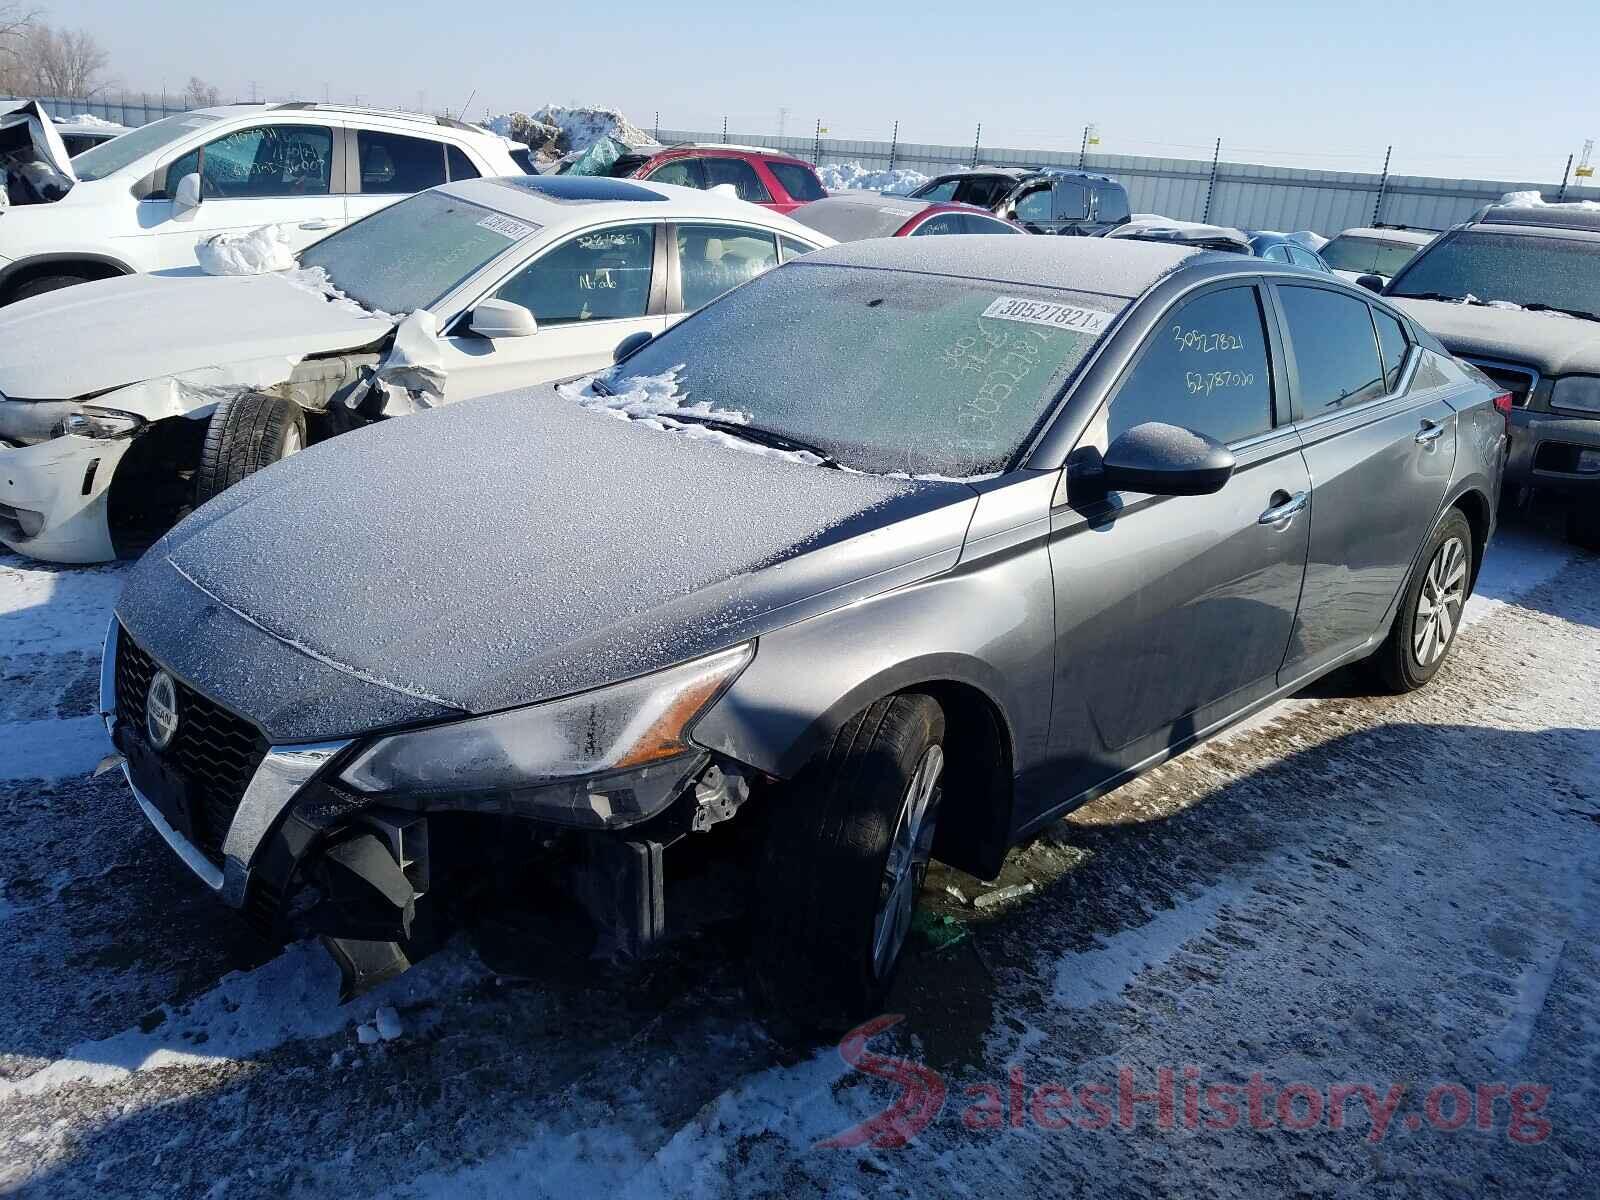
column 144, row 201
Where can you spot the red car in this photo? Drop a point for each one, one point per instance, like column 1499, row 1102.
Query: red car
column 769, row 178
column 854, row 216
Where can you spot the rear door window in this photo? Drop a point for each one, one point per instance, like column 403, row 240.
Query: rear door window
column 599, row 276
column 1071, row 202
column 942, row 223
column 973, row 223
column 794, row 248
column 713, row 259
column 1335, row 350
column 1304, row 258
column 1394, row 344
column 800, row 182
column 1110, row 202
column 392, row 163
column 1207, row 368
column 741, row 175
column 461, row 166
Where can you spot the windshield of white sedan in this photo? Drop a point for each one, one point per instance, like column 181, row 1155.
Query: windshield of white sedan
column 109, row 157
column 881, row 371
column 1543, row 272
column 414, row 253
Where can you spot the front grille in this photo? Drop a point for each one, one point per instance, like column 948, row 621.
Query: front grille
column 1519, row 381
column 214, row 752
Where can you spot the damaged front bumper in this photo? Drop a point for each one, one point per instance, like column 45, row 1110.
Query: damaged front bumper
column 298, row 851
column 53, row 497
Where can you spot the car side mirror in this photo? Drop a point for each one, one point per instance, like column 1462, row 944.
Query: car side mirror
column 186, row 196
column 634, row 341
column 1373, row 283
column 502, row 319
column 1164, row 460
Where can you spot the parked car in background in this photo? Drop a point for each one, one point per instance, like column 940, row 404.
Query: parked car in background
column 85, row 131
column 1041, row 199
column 146, row 200
column 1285, row 248
column 1517, row 293
column 194, row 383
column 1381, row 250
column 853, row 216
column 1095, row 505
column 770, row 178
column 1274, row 247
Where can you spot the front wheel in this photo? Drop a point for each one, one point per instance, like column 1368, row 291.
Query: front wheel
column 247, row 432
column 846, row 851
column 1430, row 610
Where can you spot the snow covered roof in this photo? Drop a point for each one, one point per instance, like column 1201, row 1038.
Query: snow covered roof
column 1379, row 233
column 850, row 216
column 1123, row 268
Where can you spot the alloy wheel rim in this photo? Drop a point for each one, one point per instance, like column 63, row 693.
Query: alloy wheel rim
column 909, row 850
column 1444, row 591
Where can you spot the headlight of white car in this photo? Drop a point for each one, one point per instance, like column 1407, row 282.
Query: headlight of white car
column 1577, row 393
column 99, row 423
column 609, row 757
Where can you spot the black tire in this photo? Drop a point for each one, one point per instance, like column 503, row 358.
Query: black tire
column 821, row 873
column 40, row 284
column 1403, row 665
column 1583, row 524
column 247, row 432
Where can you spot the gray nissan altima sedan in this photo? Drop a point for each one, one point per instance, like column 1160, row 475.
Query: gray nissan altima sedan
column 906, row 548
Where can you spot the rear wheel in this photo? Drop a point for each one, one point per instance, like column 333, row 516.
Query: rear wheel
column 1430, row 611
column 846, row 851
column 247, row 432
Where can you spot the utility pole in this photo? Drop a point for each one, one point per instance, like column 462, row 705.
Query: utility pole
column 816, row 146
column 422, row 101
column 1383, row 186
column 1211, row 186
column 658, row 125
column 894, row 144
column 1083, row 151
column 976, row 138
column 1565, row 175
column 253, row 91
column 783, row 121
column 724, row 128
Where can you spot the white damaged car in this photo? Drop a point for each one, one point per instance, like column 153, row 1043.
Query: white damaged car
column 191, row 383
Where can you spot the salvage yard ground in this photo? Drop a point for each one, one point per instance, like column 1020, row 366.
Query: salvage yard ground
column 1391, row 892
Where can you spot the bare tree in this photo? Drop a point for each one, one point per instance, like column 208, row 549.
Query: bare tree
column 66, row 62
column 16, row 25
column 200, row 94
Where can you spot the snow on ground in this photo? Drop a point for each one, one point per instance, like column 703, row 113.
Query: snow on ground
column 1393, row 892
column 852, row 176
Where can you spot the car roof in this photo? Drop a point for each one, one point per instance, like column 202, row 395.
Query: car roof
column 347, row 110
column 1546, row 217
column 1123, row 269
column 725, row 150
column 1391, row 233
column 855, row 215
column 1021, row 173
column 559, row 199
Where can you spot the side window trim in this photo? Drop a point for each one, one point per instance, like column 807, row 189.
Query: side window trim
column 1403, row 384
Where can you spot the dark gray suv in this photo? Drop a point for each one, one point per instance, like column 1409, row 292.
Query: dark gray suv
column 1040, row 199
column 907, row 548
column 1517, row 292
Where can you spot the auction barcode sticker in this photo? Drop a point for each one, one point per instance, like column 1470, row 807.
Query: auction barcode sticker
column 508, row 227
column 1043, row 312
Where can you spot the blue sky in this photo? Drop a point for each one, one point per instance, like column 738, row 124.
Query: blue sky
column 1460, row 88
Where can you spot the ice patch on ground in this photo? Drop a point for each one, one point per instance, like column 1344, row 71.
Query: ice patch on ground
column 255, row 252
column 55, row 609
column 1103, row 972
column 853, row 177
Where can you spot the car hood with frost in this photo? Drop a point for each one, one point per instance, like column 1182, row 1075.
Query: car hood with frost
column 1553, row 343
column 505, row 551
column 87, row 339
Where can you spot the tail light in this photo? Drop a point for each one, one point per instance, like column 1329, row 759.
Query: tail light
column 1502, row 404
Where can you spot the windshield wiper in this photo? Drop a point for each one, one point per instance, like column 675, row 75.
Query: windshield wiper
column 1438, row 296
column 1581, row 313
column 754, row 433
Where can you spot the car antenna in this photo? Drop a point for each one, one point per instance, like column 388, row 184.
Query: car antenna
column 465, row 106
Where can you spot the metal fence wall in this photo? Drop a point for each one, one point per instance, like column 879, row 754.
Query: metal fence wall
column 1241, row 194
column 130, row 110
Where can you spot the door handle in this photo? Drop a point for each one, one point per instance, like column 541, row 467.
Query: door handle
column 1431, row 433
column 316, row 224
column 1284, row 509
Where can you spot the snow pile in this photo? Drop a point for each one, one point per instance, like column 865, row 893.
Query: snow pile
column 558, row 131
column 85, row 121
column 852, row 176
column 254, row 253
column 1536, row 200
column 315, row 279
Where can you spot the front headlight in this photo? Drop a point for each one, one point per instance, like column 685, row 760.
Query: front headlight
column 612, row 756
column 1578, row 393
column 99, row 423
